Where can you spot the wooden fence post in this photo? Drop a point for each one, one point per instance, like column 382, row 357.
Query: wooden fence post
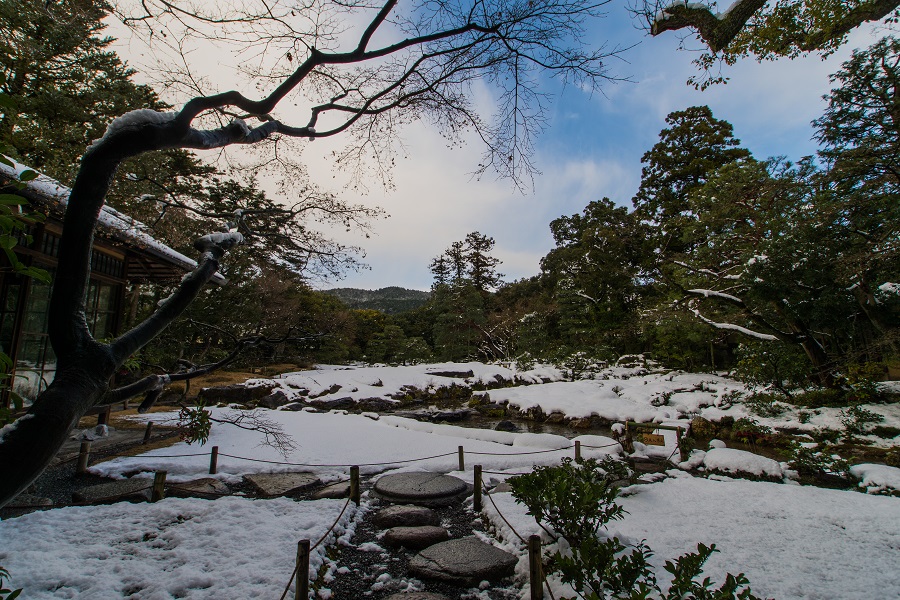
column 214, row 460
column 148, row 432
column 476, row 502
column 462, row 461
column 354, row 485
column 535, row 568
column 84, row 453
column 159, row 486
column 103, row 415
column 301, row 587
column 577, row 450
column 681, row 450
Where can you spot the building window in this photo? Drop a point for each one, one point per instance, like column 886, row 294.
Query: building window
column 36, row 362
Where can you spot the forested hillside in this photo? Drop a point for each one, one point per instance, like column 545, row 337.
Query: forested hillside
column 389, row 300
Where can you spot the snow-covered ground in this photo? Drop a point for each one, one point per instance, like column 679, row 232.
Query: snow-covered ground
column 615, row 394
column 791, row 541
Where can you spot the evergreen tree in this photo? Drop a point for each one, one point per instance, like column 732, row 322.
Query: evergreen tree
column 481, row 268
column 693, row 146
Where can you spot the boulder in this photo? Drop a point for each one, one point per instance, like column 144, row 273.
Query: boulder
column 274, row 400
column 415, row 538
column 451, row 416
column 231, row 394
column 334, row 403
column 506, row 426
column 452, row 374
column 404, row 516
column 281, row 484
column 466, row 561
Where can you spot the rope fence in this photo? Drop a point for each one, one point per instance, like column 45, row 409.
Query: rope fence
column 302, row 564
column 533, row 543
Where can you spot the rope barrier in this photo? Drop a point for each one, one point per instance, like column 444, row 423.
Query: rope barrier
column 314, row 546
column 376, row 464
column 519, row 453
column 118, row 455
column 513, row 529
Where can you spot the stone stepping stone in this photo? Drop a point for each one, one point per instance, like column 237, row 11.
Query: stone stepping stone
column 334, row 491
column 465, row 561
column 415, row 538
column 427, row 489
column 206, row 487
column 115, row 491
column 281, row 484
column 417, row 596
column 405, row 515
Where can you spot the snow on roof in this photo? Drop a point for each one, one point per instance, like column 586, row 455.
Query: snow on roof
column 123, row 227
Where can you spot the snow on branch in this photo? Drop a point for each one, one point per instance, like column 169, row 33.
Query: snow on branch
column 716, row 29
column 733, row 327
column 715, row 294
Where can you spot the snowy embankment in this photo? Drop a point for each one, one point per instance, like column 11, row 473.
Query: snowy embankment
column 793, row 542
column 616, row 393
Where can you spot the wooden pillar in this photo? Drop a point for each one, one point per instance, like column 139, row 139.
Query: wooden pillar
column 462, row 460
column 535, row 568
column 159, row 486
column 354, row 485
column 103, row 415
column 577, row 450
column 214, row 460
column 476, row 502
column 301, row 587
column 84, row 454
column 148, row 432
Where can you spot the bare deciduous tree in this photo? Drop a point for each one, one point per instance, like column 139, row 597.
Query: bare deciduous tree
column 362, row 69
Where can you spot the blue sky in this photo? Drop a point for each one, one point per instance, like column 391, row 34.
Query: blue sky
column 591, row 149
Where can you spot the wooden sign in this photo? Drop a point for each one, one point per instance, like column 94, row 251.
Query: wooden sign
column 653, row 439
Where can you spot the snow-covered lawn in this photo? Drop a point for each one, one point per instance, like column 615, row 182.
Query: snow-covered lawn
column 792, row 541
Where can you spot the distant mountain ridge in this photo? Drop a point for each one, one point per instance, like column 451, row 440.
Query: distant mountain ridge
column 390, row 300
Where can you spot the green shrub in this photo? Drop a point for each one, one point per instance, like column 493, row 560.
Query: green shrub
column 892, row 457
column 6, row 593
column 820, row 460
column 857, row 421
column 574, row 501
column 772, row 364
column 863, row 378
column 748, row 431
column 820, row 398
column 764, row 405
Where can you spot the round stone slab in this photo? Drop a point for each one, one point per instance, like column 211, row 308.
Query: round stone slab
column 465, row 561
column 420, row 488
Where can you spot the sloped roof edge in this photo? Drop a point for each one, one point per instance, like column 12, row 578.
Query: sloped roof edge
column 120, row 225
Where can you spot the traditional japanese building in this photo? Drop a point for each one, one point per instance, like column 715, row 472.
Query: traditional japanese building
column 123, row 254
